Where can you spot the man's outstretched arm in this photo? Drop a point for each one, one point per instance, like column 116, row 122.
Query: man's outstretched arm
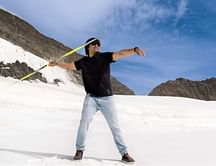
column 127, row 52
column 67, row 66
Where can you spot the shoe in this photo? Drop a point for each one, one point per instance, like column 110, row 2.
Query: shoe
column 127, row 158
column 78, row 155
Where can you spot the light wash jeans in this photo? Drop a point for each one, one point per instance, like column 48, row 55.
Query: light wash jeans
column 107, row 107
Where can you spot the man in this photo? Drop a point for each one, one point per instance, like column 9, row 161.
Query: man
column 96, row 78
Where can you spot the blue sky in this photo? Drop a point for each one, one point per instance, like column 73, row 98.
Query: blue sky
column 178, row 36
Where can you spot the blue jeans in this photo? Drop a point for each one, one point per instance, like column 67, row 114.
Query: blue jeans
column 107, row 107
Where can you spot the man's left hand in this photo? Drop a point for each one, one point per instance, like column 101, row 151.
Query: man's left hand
column 139, row 51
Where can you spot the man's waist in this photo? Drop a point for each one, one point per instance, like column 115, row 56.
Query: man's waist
column 99, row 95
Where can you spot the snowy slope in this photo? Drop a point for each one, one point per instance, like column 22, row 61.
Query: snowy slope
column 9, row 53
column 38, row 124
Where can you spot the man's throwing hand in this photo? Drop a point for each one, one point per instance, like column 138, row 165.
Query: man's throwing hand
column 52, row 63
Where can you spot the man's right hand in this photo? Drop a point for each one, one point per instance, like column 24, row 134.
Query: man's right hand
column 52, row 63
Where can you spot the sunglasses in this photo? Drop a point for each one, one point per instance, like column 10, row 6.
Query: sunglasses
column 96, row 42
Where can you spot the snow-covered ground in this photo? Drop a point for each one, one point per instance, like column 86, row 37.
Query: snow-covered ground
column 38, row 124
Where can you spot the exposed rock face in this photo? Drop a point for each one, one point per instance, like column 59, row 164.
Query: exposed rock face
column 24, row 35
column 18, row 70
column 21, row 33
column 204, row 90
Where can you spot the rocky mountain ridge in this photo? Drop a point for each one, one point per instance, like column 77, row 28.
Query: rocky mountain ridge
column 21, row 33
column 204, row 90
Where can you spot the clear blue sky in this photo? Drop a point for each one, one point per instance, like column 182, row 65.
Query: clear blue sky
column 178, row 36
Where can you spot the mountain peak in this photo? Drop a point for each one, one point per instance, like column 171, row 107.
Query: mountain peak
column 204, row 89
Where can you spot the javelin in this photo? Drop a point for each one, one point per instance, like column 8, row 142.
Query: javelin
column 68, row 53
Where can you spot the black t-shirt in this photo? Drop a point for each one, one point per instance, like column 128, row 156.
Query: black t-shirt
column 96, row 73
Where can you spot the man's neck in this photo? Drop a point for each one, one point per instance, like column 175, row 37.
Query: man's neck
column 92, row 54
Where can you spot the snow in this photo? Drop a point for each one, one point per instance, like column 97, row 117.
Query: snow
column 38, row 124
column 10, row 53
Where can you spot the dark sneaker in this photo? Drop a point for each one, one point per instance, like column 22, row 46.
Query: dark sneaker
column 127, row 158
column 78, row 155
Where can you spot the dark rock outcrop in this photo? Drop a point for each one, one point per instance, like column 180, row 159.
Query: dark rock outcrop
column 20, row 33
column 204, row 90
column 18, row 70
